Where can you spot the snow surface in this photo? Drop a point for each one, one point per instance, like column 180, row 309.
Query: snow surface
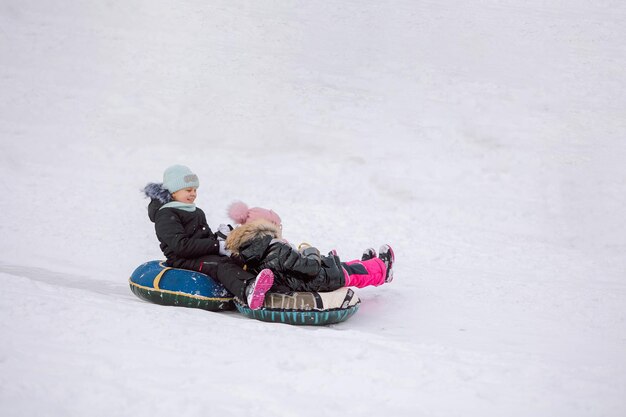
column 485, row 140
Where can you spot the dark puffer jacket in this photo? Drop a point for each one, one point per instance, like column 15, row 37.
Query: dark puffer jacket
column 185, row 236
column 258, row 246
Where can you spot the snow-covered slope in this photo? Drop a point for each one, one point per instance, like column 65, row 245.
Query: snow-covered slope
column 484, row 140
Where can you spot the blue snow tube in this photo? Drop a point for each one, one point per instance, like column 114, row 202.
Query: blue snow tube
column 305, row 308
column 155, row 282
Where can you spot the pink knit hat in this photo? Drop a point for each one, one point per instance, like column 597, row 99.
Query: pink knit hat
column 240, row 213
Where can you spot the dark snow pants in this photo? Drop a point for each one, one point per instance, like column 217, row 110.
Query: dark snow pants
column 228, row 272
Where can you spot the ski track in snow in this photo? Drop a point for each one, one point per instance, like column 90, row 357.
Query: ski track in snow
column 64, row 280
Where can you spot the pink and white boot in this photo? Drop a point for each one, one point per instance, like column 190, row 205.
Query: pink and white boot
column 255, row 293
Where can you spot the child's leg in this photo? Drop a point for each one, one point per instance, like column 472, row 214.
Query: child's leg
column 228, row 273
column 364, row 273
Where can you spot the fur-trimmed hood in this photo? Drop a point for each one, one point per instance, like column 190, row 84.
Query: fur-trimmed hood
column 250, row 231
column 159, row 196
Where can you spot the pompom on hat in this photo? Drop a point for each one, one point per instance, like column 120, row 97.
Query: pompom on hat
column 178, row 177
column 240, row 213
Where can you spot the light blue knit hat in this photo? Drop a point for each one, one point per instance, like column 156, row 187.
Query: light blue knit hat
column 178, row 177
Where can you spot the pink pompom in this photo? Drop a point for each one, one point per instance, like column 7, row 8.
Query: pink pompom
column 238, row 212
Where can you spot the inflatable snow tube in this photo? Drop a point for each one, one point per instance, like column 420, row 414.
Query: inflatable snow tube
column 155, row 282
column 305, row 308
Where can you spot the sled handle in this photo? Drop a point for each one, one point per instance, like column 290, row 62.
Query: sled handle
column 157, row 279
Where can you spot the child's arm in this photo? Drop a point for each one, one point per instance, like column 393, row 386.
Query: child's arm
column 307, row 262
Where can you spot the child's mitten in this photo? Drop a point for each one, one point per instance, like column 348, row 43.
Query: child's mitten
column 223, row 230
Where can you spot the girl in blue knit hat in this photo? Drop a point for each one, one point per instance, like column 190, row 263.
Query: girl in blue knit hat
column 188, row 242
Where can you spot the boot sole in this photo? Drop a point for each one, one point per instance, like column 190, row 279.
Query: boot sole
column 262, row 285
column 389, row 278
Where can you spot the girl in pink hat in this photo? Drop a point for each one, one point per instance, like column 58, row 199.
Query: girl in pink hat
column 258, row 244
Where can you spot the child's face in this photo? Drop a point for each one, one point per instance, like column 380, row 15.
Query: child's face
column 186, row 195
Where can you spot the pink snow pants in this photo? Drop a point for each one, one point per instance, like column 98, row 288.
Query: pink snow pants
column 364, row 273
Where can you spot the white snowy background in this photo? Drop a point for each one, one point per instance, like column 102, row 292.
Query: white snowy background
column 484, row 140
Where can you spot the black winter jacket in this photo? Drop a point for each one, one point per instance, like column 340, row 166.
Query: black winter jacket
column 185, row 236
column 293, row 270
